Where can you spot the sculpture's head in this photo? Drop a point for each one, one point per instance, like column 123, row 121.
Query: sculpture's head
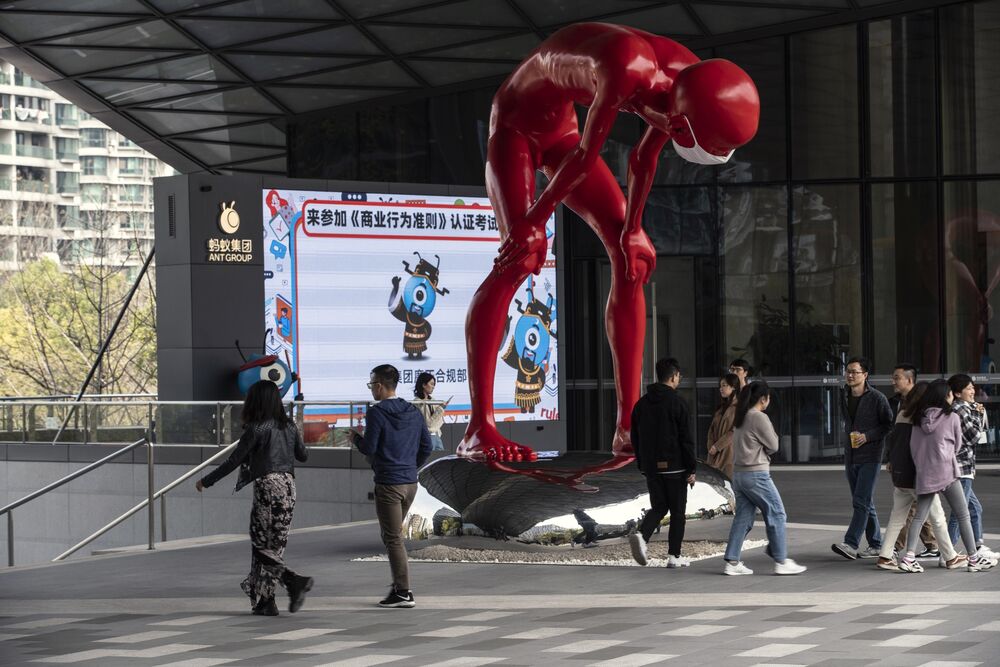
column 714, row 109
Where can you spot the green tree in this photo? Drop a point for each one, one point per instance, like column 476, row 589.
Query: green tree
column 53, row 322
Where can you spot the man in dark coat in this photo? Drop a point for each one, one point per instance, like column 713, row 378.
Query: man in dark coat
column 664, row 452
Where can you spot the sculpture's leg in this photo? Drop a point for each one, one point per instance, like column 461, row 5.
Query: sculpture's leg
column 510, row 181
column 599, row 201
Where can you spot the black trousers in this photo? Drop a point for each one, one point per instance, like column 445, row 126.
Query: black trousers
column 667, row 493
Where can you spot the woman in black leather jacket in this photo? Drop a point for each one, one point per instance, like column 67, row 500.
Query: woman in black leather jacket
column 266, row 456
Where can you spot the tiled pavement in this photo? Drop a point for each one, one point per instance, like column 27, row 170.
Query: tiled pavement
column 182, row 607
column 825, row 634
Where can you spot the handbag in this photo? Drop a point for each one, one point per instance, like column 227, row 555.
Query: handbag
column 245, row 475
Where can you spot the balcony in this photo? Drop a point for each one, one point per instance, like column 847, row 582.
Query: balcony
column 67, row 121
column 6, row 149
column 43, row 152
column 28, row 185
column 131, row 172
column 71, row 188
column 4, row 79
column 22, row 79
column 5, row 185
column 71, row 156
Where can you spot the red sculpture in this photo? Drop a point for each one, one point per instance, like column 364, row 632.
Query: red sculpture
column 708, row 108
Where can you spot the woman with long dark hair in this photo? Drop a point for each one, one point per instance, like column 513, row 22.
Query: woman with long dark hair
column 901, row 468
column 720, row 433
column 754, row 443
column 433, row 414
column 266, row 456
column 973, row 418
column 934, row 444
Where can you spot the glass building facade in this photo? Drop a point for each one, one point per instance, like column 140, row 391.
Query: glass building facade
column 863, row 219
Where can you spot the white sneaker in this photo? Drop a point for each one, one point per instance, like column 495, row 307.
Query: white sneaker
column 678, row 561
column 737, row 569
column 789, row 567
column 638, row 546
column 985, row 552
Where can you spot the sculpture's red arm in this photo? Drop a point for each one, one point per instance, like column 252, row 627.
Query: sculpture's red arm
column 640, row 256
column 570, row 172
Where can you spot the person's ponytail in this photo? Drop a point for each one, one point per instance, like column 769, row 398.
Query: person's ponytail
column 750, row 396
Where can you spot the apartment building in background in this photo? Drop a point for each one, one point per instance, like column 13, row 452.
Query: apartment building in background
column 71, row 188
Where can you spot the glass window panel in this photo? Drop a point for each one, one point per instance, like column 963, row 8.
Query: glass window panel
column 300, row 9
column 970, row 87
column 119, row 92
column 222, row 154
column 901, row 95
column 81, row 60
column 260, row 133
column 907, row 326
column 194, row 68
column 239, row 100
column 220, row 34
column 507, row 48
column 468, row 12
column 753, row 252
column 385, row 73
column 21, row 27
column 764, row 158
column 344, row 39
column 263, row 67
column 734, row 19
column 824, row 98
column 972, row 275
column 826, row 239
column 680, row 221
column 171, row 123
column 324, row 147
column 821, row 424
column 154, row 34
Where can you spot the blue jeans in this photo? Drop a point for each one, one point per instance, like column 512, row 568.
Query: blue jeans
column 755, row 490
column 975, row 514
column 862, row 477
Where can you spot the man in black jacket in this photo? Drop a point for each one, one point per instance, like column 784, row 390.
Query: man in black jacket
column 867, row 420
column 664, row 452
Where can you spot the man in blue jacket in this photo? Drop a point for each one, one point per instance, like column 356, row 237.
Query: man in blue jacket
column 868, row 419
column 396, row 442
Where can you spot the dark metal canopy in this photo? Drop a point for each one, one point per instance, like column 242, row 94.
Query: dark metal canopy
column 208, row 85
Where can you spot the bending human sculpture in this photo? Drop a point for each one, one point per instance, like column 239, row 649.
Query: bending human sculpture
column 708, row 108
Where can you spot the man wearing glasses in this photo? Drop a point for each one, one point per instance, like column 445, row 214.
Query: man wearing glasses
column 867, row 420
column 396, row 442
column 741, row 369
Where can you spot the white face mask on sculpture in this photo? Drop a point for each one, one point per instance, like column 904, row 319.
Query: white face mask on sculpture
column 696, row 153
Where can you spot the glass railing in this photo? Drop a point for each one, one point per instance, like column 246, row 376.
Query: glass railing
column 67, row 188
column 4, row 79
column 67, row 155
column 5, row 185
column 34, row 151
column 4, row 114
column 130, row 172
column 28, row 185
column 67, row 121
column 6, row 149
column 323, row 424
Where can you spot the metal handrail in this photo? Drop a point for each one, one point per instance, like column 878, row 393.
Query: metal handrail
column 147, row 502
column 8, row 509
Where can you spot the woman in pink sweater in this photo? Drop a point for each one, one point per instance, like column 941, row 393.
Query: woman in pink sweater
column 934, row 443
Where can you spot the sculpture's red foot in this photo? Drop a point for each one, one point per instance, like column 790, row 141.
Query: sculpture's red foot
column 621, row 445
column 486, row 444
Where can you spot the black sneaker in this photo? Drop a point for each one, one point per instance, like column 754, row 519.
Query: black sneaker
column 929, row 553
column 265, row 607
column 398, row 599
column 297, row 586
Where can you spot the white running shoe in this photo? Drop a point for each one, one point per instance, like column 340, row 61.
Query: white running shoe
column 789, row 567
column 638, row 546
column 980, row 563
column 736, row 569
column 678, row 561
column 985, row 552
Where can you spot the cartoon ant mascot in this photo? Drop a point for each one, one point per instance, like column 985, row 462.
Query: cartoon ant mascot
column 529, row 348
column 414, row 302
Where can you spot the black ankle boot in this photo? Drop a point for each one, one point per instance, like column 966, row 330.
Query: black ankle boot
column 266, row 607
column 297, row 587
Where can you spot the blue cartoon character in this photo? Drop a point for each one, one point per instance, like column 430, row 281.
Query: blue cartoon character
column 264, row 367
column 414, row 302
column 530, row 346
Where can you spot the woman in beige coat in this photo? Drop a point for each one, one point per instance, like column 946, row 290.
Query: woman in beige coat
column 720, row 433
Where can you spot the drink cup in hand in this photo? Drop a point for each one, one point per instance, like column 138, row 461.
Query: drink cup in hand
column 855, row 440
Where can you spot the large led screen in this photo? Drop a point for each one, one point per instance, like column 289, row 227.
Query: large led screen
column 358, row 279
